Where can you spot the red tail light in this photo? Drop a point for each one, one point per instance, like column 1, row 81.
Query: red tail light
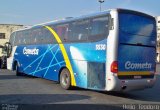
column 114, row 67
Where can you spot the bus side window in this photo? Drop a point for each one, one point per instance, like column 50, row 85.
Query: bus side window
column 12, row 38
column 79, row 31
column 27, row 37
column 16, row 41
column 19, row 38
column 99, row 28
column 62, row 31
column 36, row 37
column 46, row 36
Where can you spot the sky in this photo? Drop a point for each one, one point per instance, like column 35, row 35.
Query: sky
column 31, row 12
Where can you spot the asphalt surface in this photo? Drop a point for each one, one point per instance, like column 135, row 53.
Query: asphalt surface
column 28, row 90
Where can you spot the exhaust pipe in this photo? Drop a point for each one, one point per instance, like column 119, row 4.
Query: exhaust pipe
column 124, row 87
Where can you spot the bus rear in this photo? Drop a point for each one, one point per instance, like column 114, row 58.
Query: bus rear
column 134, row 65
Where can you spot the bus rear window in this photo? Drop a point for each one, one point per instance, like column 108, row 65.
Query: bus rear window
column 137, row 24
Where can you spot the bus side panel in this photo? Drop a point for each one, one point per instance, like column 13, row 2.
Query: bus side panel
column 53, row 64
column 10, row 60
column 47, row 59
column 25, row 60
column 88, row 62
column 97, row 65
column 78, row 54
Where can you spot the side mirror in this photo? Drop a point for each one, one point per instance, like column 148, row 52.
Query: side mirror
column 111, row 24
column 8, row 48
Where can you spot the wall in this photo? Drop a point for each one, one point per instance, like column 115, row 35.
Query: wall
column 7, row 29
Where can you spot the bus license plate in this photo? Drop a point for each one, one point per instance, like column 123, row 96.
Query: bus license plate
column 137, row 77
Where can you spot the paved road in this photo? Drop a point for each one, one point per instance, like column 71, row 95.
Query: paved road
column 28, row 90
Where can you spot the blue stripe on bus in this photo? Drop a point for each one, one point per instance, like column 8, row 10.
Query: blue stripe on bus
column 49, row 49
column 49, row 67
column 41, row 60
column 54, row 57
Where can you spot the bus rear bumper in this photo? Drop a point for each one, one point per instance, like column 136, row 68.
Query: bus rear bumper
column 137, row 84
column 129, row 85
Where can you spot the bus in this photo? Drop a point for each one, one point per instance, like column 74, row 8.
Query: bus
column 113, row 50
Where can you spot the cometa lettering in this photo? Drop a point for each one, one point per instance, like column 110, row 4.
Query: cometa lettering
column 130, row 65
column 30, row 51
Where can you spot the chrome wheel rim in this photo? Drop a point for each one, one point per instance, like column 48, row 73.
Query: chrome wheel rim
column 65, row 79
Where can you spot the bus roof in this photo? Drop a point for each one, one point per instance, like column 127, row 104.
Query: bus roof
column 134, row 12
column 69, row 19
column 63, row 20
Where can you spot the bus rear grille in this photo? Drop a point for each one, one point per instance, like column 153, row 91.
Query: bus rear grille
column 96, row 75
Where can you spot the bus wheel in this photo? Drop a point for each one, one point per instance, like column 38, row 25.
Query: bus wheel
column 17, row 71
column 65, row 79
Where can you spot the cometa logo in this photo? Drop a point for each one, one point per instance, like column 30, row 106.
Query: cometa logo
column 30, row 51
column 130, row 65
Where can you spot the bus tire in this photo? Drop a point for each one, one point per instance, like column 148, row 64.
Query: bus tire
column 65, row 79
column 17, row 70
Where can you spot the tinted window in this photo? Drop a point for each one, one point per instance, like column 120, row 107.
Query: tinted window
column 22, row 38
column 12, row 39
column 47, row 37
column 62, row 31
column 79, row 31
column 137, row 24
column 18, row 38
column 37, row 36
column 99, row 28
column 34, row 36
column 41, row 36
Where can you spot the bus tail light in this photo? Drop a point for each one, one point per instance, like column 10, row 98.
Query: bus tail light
column 114, row 67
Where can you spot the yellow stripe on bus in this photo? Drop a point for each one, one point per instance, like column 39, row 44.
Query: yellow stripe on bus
column 64, row 53
column 134, row 73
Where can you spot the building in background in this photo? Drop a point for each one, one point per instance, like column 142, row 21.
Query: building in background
column 158, row 38
column 5, row 32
